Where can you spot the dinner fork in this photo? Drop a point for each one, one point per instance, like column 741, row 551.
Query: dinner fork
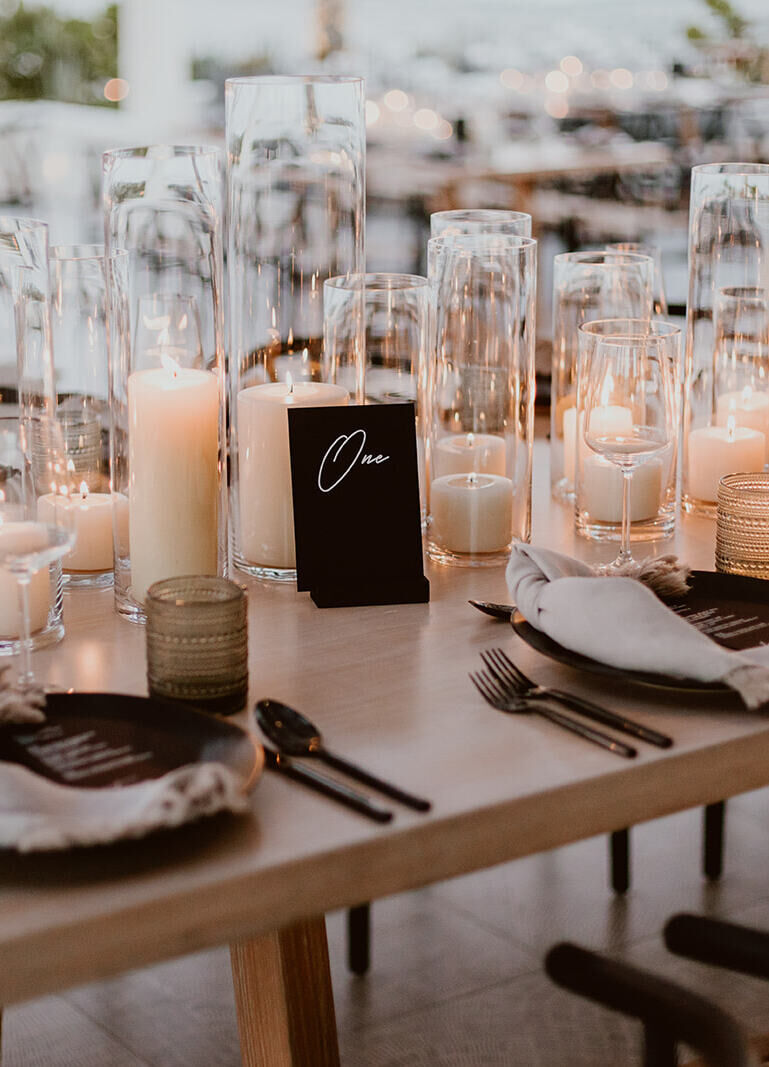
column 514, row 680
column 501, row 699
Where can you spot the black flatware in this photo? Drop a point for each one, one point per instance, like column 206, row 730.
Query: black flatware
column 295, row 735
column 497, row 611
column 274, row 761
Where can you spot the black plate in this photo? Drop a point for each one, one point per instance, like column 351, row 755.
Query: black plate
column 91, row 740
column 731, row 609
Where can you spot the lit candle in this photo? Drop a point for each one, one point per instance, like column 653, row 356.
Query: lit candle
column 608, row 419
column 718, row 450
column 92, row 515
column 464, row 453
column 21, row 537
column 600, row 490
column 266, row 506
column 173, row 450
column 472, row 512
column 749, row 408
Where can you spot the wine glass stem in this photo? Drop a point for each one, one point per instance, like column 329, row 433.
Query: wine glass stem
column 624, row 553
column 26, row 677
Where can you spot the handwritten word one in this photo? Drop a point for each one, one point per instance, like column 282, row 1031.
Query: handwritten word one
column 326, row 471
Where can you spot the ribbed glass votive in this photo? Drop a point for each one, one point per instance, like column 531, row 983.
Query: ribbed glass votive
column 742, row 525
column 197, row 642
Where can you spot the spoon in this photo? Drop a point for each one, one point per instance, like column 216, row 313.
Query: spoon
column 497, row 611
column 295, row 735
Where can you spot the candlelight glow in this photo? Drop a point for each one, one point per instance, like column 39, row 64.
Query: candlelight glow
column 289, row 381
column 83, row 490
column 169, row 364
column 731, row 427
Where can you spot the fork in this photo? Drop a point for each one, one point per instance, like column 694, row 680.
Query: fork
column 494, row 693
column 514, row 680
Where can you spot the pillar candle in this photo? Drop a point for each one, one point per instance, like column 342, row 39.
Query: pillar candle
column 612, row 418
column 714, row 451
column 463, row 453
column 92, row 515
column 264, row 468
column 749, row 408
column 600, row 490
column 173, row 448
column 22, row 537
column 472, row 512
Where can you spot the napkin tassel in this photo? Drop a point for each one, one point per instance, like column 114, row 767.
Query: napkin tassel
column 20, row 707
column 666, row 576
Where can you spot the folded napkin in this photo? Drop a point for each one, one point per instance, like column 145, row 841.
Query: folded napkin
column 39, row 815
column 620, row 622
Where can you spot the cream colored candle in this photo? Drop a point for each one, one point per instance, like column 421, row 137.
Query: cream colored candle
column 466, row 452
column 600, row 490
column 264, row 467
column 92, row 516
column 749, row 408
column 472, row 512
column 17, row 537
column 718, row 450
column 611, row 418
column 173, row 449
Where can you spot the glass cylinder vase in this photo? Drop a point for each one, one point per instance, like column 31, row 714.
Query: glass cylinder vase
column 479, row 220
column 26, row 369
column 296, row 178
column 726, row 394
column 482, row 403
column 80, row 278
column 164, row 205
column 587, row 286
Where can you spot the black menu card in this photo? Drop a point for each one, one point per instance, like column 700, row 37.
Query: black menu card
column 357, row 516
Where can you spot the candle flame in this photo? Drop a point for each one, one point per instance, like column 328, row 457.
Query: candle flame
column 83, row 490
column 289, row 381
column 470, row 440
column 169, row 364
column 472, row 478
column 731, row 427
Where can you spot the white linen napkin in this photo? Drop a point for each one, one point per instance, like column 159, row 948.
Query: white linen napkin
column 38, row 815
column 620, row 622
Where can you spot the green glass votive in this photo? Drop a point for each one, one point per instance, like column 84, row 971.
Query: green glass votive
column 197, row 642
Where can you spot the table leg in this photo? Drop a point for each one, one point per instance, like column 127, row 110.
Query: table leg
column 284, row 999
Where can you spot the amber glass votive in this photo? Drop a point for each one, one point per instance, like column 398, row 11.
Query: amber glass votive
column 742, row 525
column 197, row 642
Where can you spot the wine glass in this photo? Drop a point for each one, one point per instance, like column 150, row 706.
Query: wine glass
column 628, row 411
column 36, row 529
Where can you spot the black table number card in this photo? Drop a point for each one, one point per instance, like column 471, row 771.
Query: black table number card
column 356, row 505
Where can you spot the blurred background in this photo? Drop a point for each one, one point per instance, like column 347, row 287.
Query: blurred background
column 588, row 115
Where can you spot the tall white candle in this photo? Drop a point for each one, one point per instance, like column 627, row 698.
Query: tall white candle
column 749, row 408
column 464, row 453
column 92, row 516
column 22, row 537
column 173, row 449
column 472, row 512
column 718, row 450
column 264, row 468
column 600, row 490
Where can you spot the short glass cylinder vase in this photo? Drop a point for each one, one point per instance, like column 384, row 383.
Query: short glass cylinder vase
column 197, row 642
column 598, row 482
column 164, row 206
column 385, row 318
column 482, row 399
column 296, row 179
column 587, row 286
column 80, row 278
column 726, row 384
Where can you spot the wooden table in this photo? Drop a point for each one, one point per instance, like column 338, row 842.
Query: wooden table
column 389, row 686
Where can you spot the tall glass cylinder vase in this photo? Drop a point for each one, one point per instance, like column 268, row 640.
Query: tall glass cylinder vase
column 482, row 409
column 296, row 151
column 80, row 278
column 586, row 286
column 164, row 205
column 26, row 371
column 726, row 395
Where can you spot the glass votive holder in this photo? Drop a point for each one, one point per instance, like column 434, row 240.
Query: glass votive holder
column 197, row 642
column 742, row 525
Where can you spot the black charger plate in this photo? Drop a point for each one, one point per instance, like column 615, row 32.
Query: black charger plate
column 731, row 609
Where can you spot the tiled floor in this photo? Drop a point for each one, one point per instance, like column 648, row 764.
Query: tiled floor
column 456, row 979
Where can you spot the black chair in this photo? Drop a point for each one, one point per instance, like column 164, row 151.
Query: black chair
column 669, row 1013
column 359, row 917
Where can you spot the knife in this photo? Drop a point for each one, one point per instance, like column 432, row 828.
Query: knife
column 274, row 761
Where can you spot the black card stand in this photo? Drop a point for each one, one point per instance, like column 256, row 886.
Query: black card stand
column 357, row 520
